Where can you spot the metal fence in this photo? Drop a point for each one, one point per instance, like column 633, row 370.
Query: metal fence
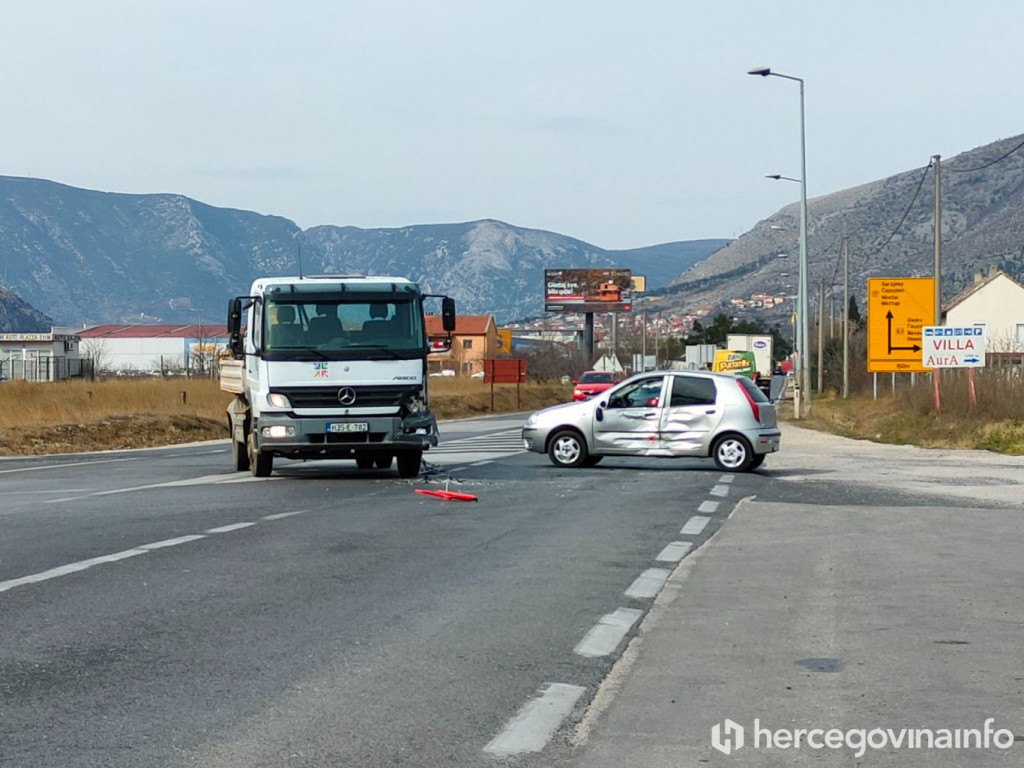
column 45, row 369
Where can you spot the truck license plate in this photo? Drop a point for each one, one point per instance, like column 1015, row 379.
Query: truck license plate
column 349, row 426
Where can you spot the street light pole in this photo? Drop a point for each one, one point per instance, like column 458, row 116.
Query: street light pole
column 802, row 316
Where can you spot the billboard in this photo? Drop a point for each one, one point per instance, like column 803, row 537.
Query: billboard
column 587, row 290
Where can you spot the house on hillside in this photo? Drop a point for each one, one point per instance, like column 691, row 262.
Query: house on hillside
column 995, row 301
column 125, row 349
column 474, row 340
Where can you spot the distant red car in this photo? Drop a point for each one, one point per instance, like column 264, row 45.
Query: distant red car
column 592, row 383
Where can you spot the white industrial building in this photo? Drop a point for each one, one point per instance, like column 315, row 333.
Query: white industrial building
column 40, row 356
column 153, row 348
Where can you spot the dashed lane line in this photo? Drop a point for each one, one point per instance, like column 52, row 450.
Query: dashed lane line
column 708, row 506
column 536, row 722
column 674, row 552
column 648, row 583
column 230, row 528
column 720, row 490
column 64, row 465
column 605, row 636
column 142, row 549
column 695, row 525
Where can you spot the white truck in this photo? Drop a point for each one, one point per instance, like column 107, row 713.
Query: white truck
column 330, row 367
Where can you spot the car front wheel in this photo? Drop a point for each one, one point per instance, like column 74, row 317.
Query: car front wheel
column 568, row 449
column 732, row 453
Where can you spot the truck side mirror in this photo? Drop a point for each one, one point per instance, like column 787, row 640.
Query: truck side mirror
column 235, row 327
column 448, row 314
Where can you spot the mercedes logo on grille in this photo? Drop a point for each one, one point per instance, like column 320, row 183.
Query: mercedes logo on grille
column 346, row 396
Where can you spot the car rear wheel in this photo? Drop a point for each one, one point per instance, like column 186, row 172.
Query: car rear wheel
column 568, row 449
column 732, row 453
column 757, row 461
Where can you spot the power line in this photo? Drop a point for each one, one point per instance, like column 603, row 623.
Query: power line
column 986, row 165
column 905, row 214
column 892, row 234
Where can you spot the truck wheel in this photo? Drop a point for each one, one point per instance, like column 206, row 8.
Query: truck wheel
column 260, row 464
column 383, row 460
column 409, row 463
column 364, row 460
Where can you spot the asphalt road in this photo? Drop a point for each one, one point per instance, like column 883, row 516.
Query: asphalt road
column 157, row 609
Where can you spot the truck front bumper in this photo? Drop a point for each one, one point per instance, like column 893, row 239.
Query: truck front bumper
column 311, row 436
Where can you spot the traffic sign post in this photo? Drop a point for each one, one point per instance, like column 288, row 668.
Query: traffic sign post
column 956, row 347
column 898, row 308
column 946, row 346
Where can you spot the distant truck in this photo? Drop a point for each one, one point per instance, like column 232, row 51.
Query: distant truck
column 330, row 368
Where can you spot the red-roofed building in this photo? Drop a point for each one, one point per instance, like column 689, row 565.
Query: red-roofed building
column 474, row 340
column 153, row 347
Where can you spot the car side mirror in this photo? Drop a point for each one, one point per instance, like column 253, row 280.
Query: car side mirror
column 574, row 382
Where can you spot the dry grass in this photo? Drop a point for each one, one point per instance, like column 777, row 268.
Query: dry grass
column 75, row 416
column 908, row 417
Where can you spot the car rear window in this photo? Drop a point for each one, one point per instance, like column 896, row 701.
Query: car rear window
column 753, row 390
column 693, row 390
column 597, row 378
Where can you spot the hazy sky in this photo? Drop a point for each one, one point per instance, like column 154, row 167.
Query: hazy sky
column 619, row 123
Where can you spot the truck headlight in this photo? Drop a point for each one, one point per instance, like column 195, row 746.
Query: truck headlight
column 278, row 400
column 414, row 404
column 278, row 431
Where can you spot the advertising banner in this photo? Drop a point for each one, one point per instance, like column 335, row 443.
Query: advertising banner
column 587, row 290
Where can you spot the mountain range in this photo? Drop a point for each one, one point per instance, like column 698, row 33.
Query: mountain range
column 85, row 257
column 889, row 226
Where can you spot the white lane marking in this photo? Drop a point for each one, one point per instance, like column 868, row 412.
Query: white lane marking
column 720, row 490
column 726, row 478
column 605, row 636
column 536, row 722
column 675, row 552
column 65, row 464
column 173, row 542
column 482, row 463
column 708, row 506
column 66, row 498
column 229, row 528
column 249, row 479
column 283, row 515
column 64, row 570
column 648, row 583
column 695, row 525
column 40, row 493
column 202, row 480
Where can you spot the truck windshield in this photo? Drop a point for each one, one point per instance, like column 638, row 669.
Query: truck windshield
column 340, row 330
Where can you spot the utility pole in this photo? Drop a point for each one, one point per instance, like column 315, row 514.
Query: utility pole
column 846, row 317
column 657, row 343
column 821, row 336
column 643, row 348
column 938, row 269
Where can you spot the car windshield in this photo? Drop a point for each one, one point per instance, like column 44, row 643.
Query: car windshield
column 597, row 377
column 339, row 330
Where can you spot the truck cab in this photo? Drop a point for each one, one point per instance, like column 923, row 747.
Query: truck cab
column 330, row 367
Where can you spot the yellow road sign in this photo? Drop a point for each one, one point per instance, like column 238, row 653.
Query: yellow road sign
column 505, row 340
column 898, row 308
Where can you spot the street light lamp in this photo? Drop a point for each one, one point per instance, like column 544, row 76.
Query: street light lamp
column 802, row 366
